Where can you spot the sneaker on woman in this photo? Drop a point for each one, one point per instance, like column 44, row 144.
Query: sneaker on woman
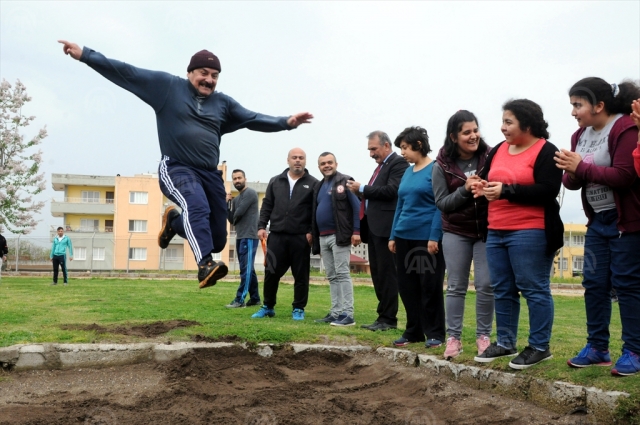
column 590, row 356
column 483, row 342
column 454, row 348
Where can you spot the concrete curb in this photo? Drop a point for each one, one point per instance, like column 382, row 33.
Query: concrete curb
column 558, row 396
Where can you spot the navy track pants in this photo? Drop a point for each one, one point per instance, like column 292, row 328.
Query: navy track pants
column 202, row 197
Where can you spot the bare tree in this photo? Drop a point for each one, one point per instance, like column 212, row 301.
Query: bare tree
column 20, row 176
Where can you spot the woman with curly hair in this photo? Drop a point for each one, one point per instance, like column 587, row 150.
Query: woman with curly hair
column 416, row 239
column 521, row 183
column 600, row 164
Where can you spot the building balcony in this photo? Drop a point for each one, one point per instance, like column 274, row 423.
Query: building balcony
column 59, row 207
column 82, row 229
column 60, row 181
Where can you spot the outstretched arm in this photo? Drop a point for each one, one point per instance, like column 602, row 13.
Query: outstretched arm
column 71, row 49
column 300, row 118
column 150, row 86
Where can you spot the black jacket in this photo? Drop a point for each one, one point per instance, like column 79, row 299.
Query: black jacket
column 342, row 212
column 382, row 197
column 292, row 216
column 544, row 191
column 470, row 218
column 4, row 249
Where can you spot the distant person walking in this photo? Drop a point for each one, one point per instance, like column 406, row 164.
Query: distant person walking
column 4, row 250
column 58, row 255
column 191, row 118
column 243, row 215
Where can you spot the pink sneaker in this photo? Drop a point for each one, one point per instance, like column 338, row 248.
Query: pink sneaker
column 483, row 343
column 454, row 348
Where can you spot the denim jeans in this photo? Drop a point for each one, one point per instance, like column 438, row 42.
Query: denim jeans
column 518, row 264
column 611, row 260
column 246, row 250
column 336, row 263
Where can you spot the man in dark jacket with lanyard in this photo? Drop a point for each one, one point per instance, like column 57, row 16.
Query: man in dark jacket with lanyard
column 336, row 226
column 191, row 118
column 378, row 205
column 287, row 206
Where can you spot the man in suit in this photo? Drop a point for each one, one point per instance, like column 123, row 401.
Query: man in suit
column 378, row 207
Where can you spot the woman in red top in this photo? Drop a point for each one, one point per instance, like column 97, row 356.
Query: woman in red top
column 600, row 164
column 521, row 183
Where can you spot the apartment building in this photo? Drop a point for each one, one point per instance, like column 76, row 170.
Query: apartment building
column 570, row 259
column 113, row 222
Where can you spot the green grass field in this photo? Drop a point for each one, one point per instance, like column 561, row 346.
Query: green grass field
column 32, row 311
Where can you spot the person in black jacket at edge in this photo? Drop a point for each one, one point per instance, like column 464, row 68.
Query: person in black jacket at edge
column 287, row 208
column 4, row 250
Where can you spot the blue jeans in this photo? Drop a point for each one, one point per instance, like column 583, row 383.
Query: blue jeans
column 611, row 260
column 246, row 250
column 518, row 264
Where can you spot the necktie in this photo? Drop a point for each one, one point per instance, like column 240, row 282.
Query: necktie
column 363, row 201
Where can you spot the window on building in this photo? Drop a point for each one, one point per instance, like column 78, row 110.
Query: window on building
column 108, row 225
column 109, row 197
column 578, row 262
column 90, row 196
column 577, row 240
column 79, row 253
column 171, row 255
column 137, row 253
column 564, row 263
column 89, row 225
column 216, row 257
column 138, row 198
column 137, row 225
column 98, row 254
column 567, row 240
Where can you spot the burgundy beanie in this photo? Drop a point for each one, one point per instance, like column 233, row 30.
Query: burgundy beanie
column 204, row 59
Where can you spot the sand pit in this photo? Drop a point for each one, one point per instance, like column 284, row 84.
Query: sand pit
column 237, row 386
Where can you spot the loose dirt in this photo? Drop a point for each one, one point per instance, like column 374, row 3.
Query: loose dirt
column 237, row 386
column 151, row 330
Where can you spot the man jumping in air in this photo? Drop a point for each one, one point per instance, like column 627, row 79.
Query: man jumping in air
column 191, row 118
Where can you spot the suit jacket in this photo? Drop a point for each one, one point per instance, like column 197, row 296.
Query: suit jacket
column 382, row 197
